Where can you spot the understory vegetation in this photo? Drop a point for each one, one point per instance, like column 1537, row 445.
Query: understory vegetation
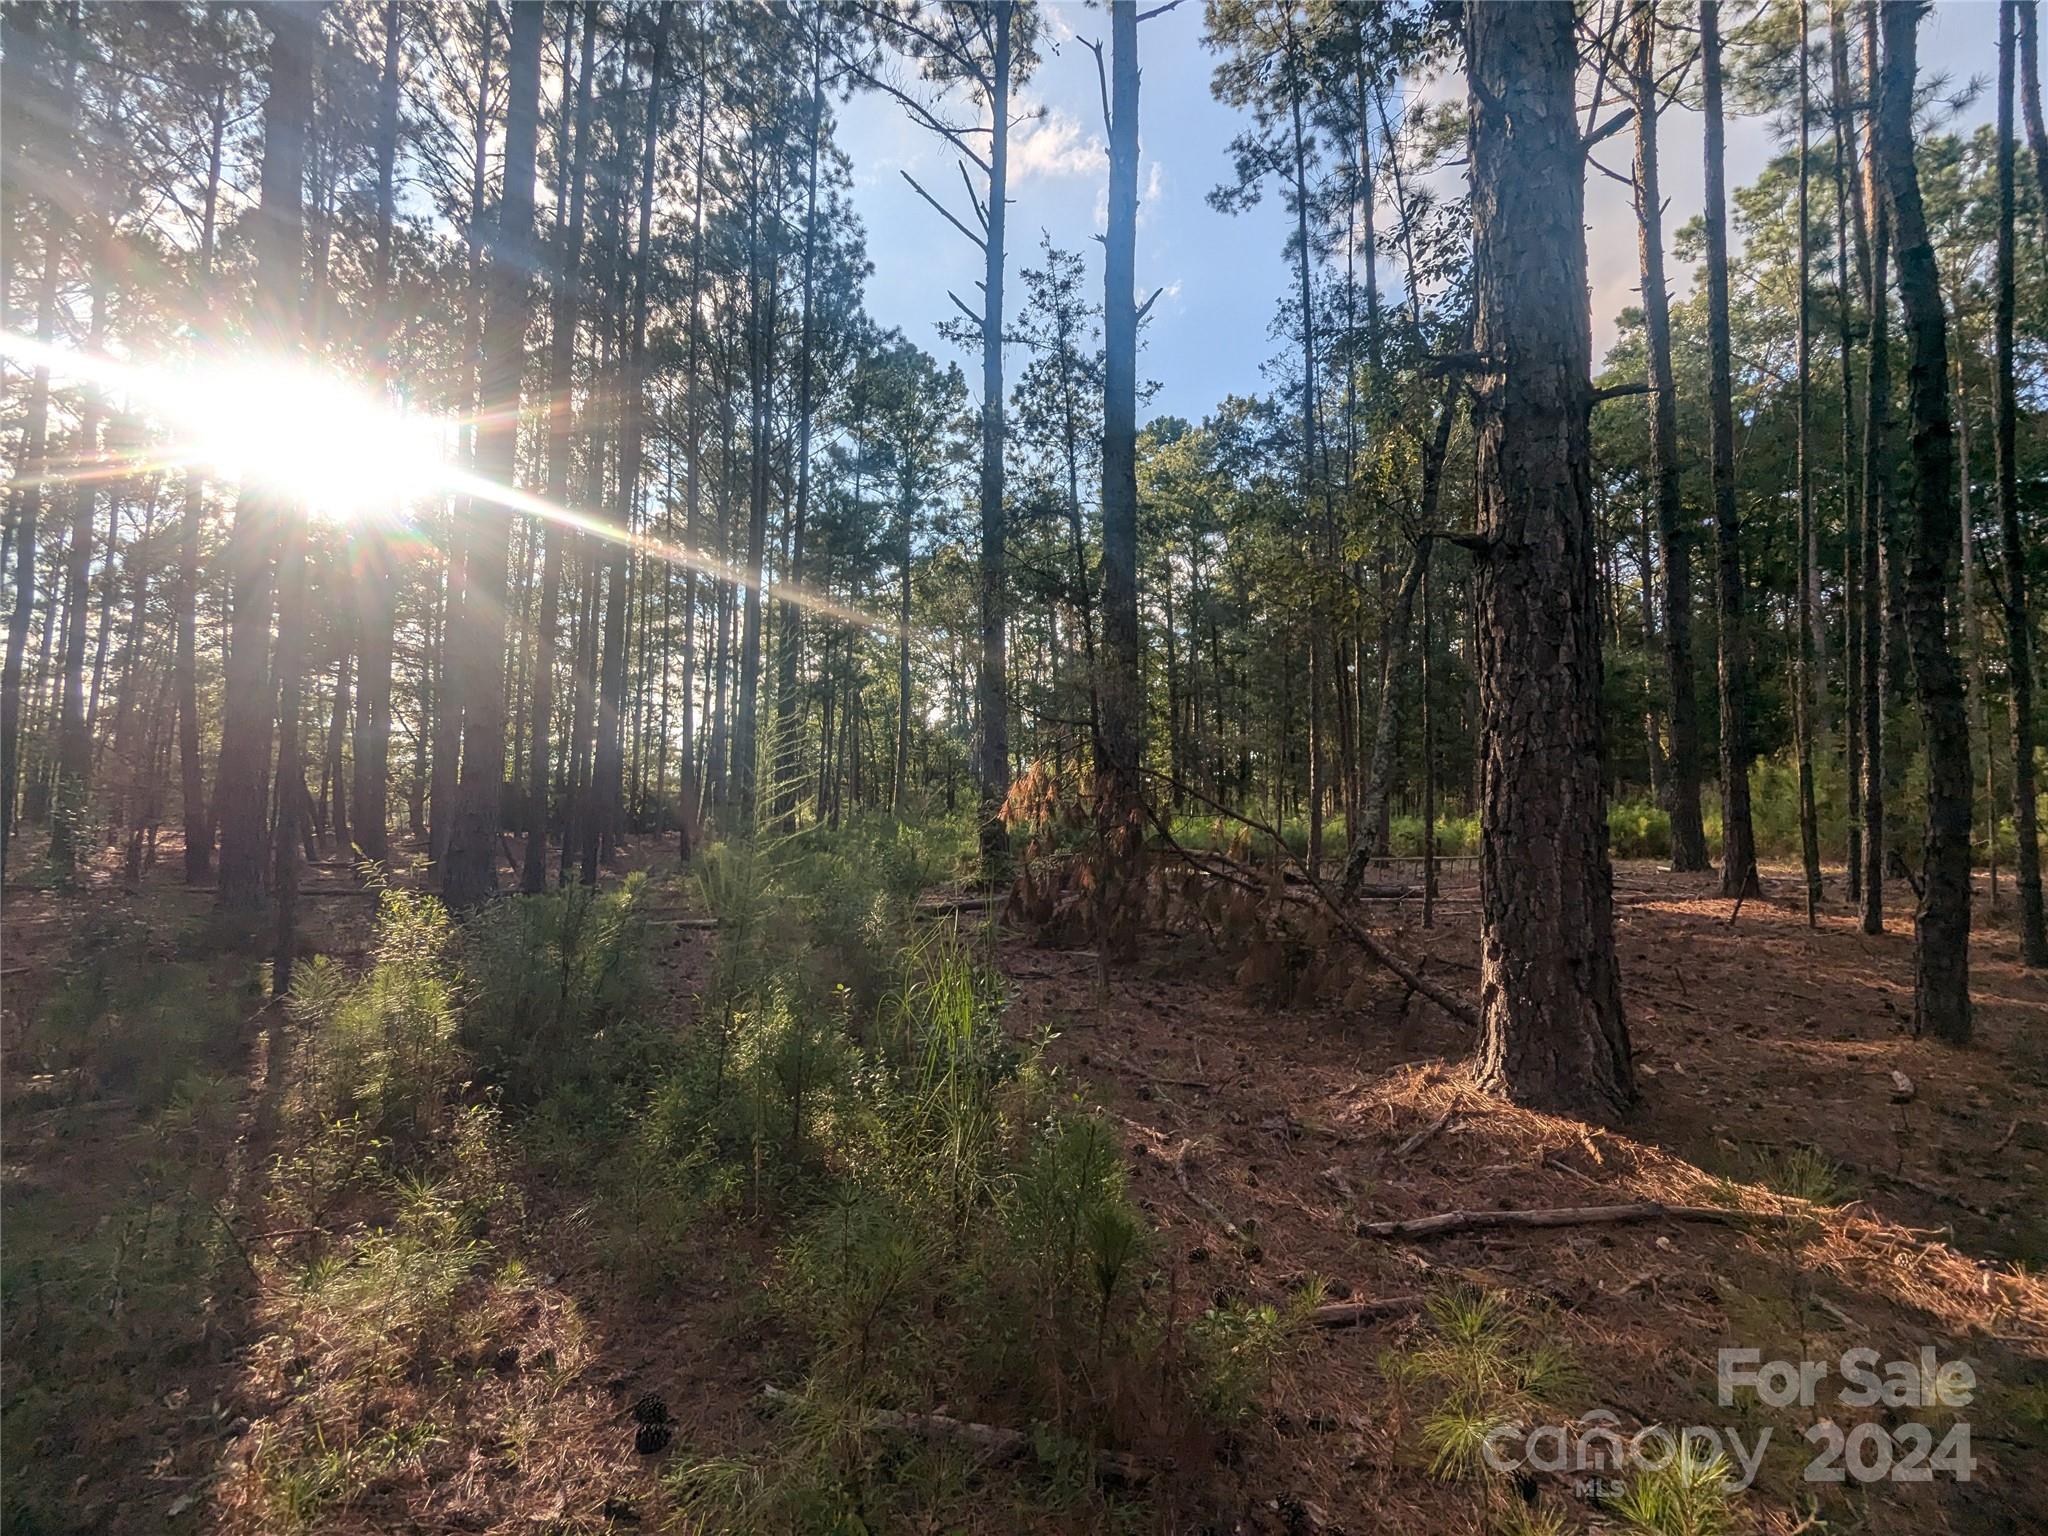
column 945, row 1247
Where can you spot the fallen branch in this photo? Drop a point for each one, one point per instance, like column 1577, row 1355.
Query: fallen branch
column 1208, row 1208
column 994, row 1439
column 1349, row 1314
column 1456, row 1007
column 1448, row 1222
column 1137, row 1071
column 1422, row 1135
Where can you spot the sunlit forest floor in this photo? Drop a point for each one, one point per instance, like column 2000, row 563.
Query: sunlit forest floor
column 272, row 1269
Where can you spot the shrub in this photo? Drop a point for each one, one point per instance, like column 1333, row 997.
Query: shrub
column 383, row 1046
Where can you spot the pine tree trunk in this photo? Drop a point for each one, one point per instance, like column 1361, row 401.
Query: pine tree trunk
column 1553, row 1035
column 240, row 786
column 469, row 872
column 1878, row 647
column 26, row 496
column 1121, row 792
column 1682, row 777
column 1941, row 1003
column 992, row 686
column 377, row 590
column 2018, row 626
column 74, row 731
column 1803, row 705
column 689, row 793
column 789, row 615
column 2030, row 93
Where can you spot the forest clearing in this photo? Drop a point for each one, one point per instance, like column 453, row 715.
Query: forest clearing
column 679, row 855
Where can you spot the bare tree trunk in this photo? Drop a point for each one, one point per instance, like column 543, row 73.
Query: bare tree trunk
column 1854, row 595
column 74, row 732
column 1879, row 651
column 992, row 686
column 2030, row 93
column 1553, row 1034
column 789, row 615
column 561, row 413
column 1941, row 1003
column 25, row 49
column 443, row 793
column 2018, row 627
column 1120, row 791
column 254, row 539
column 1682, row 778
column 469, row 873
column 377, row 591
column 1803, row 703
column 689, row 793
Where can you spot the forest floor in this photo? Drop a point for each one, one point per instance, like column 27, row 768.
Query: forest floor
column 150, row 1355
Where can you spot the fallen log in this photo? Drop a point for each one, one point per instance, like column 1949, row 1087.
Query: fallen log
column 995, row 1439
column 1448, row 1222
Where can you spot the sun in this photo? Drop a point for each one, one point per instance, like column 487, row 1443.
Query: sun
column 311, row 438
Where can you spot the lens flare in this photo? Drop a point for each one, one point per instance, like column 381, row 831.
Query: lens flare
column 323, row 443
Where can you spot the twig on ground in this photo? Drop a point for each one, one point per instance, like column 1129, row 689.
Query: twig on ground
column 998, row 1441
column 1448, row 1222
column 1440, row 1123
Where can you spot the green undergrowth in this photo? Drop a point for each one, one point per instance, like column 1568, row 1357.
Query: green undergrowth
column 1639, row 827
column 937, row 1222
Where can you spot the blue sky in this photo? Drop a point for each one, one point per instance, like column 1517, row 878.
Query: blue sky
column 1222, row 274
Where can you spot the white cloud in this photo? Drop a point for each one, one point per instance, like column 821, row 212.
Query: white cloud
column 1054, row 145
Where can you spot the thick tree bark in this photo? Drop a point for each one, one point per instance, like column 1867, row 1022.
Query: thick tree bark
column 469, row 873
column 1120, row 791
column 1682, row 766
column 1941, row 1002
column 1553, row 1035
column 2018, row 627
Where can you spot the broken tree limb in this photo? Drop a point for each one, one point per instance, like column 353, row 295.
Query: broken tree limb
column 996, row 1440
column 1456, row 1007
column 1448, row 1222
